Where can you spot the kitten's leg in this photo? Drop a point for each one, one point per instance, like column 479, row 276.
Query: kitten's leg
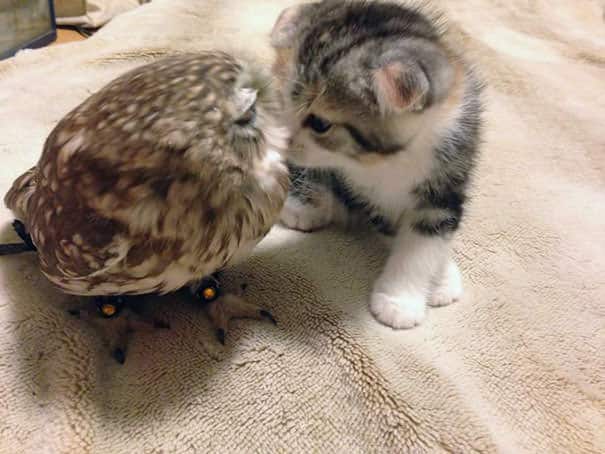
column 311, row 204
column 399, row 297
column 448, row 285
column 314, row 211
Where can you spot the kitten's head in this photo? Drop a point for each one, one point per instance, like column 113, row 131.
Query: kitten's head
column 358, row 78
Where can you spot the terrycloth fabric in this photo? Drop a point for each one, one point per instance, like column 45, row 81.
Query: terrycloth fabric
column 517, row 366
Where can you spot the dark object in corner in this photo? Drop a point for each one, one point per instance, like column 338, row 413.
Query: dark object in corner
column 26, row 25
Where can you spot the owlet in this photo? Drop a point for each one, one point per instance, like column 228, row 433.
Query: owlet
column 167, row 175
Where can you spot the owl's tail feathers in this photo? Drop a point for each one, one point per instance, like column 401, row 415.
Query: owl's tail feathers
column 17, row 200
column 17, row 248
column 18, row 196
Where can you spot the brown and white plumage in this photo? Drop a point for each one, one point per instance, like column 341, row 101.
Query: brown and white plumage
column 169, row 173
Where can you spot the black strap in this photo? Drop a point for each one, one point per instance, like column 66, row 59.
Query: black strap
column 18, row 248
column 22, row 232
column 14, row 248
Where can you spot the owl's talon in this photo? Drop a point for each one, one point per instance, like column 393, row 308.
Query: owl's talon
column 74, row 312
column 268, row 315
column 161, row 324
column 220, row 335
column 119, row 355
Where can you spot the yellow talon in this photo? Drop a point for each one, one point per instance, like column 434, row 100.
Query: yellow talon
column 108, row 309
column 209, row 293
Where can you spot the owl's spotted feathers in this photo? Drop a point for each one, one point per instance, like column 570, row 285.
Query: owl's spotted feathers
column 167, row 174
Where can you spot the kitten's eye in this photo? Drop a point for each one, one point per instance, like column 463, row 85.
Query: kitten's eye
column 248, row 117
column 317, row 124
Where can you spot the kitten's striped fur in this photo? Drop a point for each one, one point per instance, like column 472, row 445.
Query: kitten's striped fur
column 386, row 124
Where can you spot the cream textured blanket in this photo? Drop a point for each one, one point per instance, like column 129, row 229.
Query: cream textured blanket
column 517, row 366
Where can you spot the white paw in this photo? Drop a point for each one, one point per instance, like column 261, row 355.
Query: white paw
column 305, row 216
column 403, row 311
column 448, row 288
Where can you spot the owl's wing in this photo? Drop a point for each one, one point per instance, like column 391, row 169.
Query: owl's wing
column 84, row 253
column 93, row 228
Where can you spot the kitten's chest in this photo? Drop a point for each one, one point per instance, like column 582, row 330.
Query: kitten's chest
column 387, row 189
column 387, row 199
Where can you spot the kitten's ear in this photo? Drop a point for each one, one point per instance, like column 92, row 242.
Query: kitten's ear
column 401, row 86
column 285, row 27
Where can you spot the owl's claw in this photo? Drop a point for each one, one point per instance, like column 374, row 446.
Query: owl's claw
column 117, row 321
column 220, row 335
column 160, row 324
column 119, row 355
column 268, row 315
column 74, row 312
column 229, row 306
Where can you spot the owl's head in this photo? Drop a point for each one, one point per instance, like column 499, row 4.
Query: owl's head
column 256, row 108
column 236, row 110
column 184, row 113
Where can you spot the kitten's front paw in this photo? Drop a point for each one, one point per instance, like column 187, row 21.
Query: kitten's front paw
column 305, row 216
column 402, row 311
column 449, row 287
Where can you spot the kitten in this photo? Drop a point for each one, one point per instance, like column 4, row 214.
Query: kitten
column 385, row 121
